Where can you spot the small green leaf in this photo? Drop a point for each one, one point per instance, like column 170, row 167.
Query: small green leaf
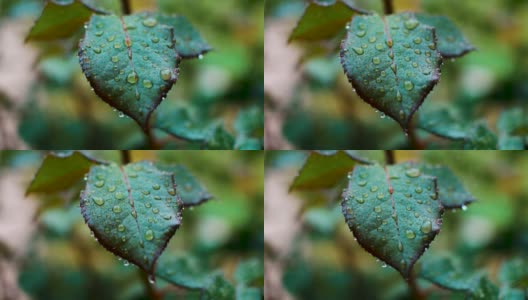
column 132, row 210
column 484, row 289
column 218, row 288
column 192, row 193
column 479, row 137
column 59, row 172
column 184, row 271
column 130, row 62
column 323, row 169
column 250, row 272
column 446, row 272
column 514, row 273
column 248, row 293
column 323, row 19
column 392, row 62
column 184, row 123
column 443, row 123
column 60, row 19
column 451, row 41
column 393, row 212
column 249, row 126
column 188, row 42
column 451, row 192
column 512, row 126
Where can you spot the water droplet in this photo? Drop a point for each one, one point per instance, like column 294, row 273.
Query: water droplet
column 156, row 186
column 166, row 74
column 155, row 40
column 379, row 46
column 415, row 65
column 464, row 207
column 410, row 234
column 145, row 192
column 117, row 45
column 155, row 210
column 132, row 78
column 147, row 83
column 126, row 263
column 167, row 217
column 380, row 196
column 116, row 209
column 411, row 24
column 417, row 51
column 111, row 38
column 384, row 265
column 377, row 209
column 121, row 115
column 383, row 115
column 362, row 183
column 426, row 227
column 97, row 50
column 119, row 196
column 151, row 279
column 150, row 22
column 374, row 188
column 376, row 61
column 99, row 33
column 148, row 205
column 100, row 183
column 98, row 200
column 134, row 214
column 398, row 96
column 389, row 43
column 149, row 235
column 372, row 39
column 360, row 200
column 400, row 246
column 359, row 51
column 408, row 85
column 200, row 56
column 413, row 172
column 432, row 46
column 115, row 59
column 402, row 116
column 361, row 33
column 172, row 192
column 418, row 190
column 417, row 41
column 394, row 68
column 121, row 228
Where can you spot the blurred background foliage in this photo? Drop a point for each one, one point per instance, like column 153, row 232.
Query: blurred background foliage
column 321, row 259
column 55, row 108
column 317, row 108
column 55, row 257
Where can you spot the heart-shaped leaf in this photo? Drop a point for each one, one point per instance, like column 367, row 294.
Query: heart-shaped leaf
column 451, row 41
column 392, row 62
column 130, row 62
column 60, row 19
column 393, row 212
column 192, row 193
column 451, row 191
column 323, row 19
column 133, row 210
column 443, row 123
column 60, row 171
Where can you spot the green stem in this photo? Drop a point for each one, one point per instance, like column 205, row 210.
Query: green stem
column 414, row 142
column 389, row 157
column 151, row 140
column 388, row 7
column 416, row 293
column 125, row 7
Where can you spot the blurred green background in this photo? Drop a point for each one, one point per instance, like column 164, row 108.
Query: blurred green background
column 317, row 108
column 321, row 260
column 46, row 250
column 54, row 108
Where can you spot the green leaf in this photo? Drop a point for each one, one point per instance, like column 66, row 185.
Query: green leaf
column 451, row 191
column 192, row 193
column 446, row 272
column 133, row 210
column 322, row 170
column 249, row 126
column 485, row 289
column 479, row 137
column 59, row 172
column 250, row 272
column 392, row 62
column 218, row 288
column 514, row 273
column 393, row 212
column 323, row 19
column 60, row 19
column 184, row 123
column 130, row 62
column 443, row 123
column 512, row 126
column 184, row 271
column 248, row 293
column 188, row 42
column 451, row 41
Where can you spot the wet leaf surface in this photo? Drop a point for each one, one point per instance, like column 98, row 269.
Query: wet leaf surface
column 132, row 210
column 392, row 62
column 393, row 212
